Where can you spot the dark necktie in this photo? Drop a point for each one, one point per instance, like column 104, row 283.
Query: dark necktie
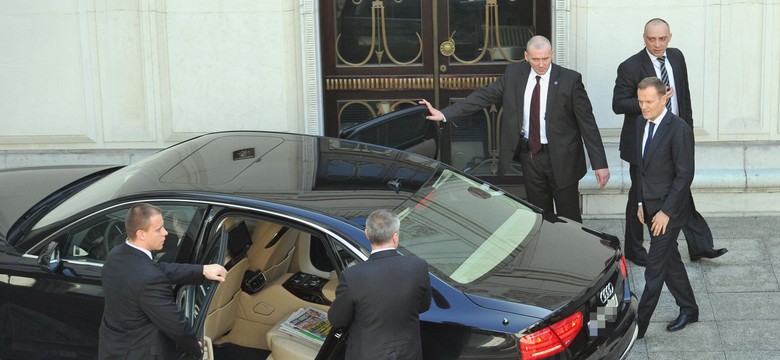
column 665, row 79
column 534, row 138
column 649, row 140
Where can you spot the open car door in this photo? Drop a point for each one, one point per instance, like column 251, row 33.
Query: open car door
column 405, row 129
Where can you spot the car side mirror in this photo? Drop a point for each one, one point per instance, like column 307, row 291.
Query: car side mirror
column 50, row 258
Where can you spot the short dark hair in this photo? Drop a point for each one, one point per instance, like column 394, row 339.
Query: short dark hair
column 139, row 218
column 381, row 225
column 655, row 82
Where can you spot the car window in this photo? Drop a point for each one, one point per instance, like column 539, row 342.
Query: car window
column 90, row 240
column 464, row 229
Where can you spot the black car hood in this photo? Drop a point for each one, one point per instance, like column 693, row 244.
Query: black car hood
column 552, row 267
column 24, row 187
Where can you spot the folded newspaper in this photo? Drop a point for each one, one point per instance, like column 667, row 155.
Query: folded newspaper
column 309, row 324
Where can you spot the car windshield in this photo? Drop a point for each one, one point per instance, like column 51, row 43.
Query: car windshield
column 464, row 229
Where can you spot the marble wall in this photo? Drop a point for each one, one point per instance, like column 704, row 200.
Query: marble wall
column 103, row 81
column 89, row 74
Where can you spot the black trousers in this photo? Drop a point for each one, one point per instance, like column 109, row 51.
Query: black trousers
column 541, row 188
column 664, row 265
column 697, row 232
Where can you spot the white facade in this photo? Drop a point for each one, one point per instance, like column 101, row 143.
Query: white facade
column 90, row 81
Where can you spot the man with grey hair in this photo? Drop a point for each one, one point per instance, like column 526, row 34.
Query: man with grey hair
column 380, row 300
column 668, row 64
column 547, row 117
column 666, row 165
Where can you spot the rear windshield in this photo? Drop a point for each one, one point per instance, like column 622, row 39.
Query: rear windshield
column 464, row 229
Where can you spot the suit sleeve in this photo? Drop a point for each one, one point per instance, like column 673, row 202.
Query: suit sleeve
column 425, row 303
column 685, row 92
column 589, row 130
column 157, row 303
column 477, row 100
column 182, row 273
column 342, row 310
column 683, row 156
column 624, row 100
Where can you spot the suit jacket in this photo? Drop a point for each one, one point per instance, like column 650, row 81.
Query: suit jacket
column 380, row 300
column 666, row 174
column 569, row 119
column 624, row 100
column 141, row 320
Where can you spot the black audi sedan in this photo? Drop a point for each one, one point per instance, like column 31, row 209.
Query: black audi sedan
column 285, row 213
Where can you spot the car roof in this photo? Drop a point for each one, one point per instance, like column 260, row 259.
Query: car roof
column 336, row 177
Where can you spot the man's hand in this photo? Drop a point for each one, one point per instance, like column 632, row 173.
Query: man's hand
column 214, row 272
column 669, row 92
column 640, row 213
column 602, row 177
column 436, row 115
column 660, row 220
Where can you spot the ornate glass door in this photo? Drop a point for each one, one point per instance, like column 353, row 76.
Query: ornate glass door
column 383, row 55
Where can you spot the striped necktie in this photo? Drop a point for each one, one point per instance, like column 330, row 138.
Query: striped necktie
column 665, row 79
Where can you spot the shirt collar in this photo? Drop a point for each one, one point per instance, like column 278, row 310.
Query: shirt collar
column 653, row 58
column 380, row 250
column 657, row 121
column 147, row 252
column 545, row 77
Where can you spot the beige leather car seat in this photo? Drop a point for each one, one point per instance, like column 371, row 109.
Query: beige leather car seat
column 286, row 347
column 272, row 248
column 223, row 308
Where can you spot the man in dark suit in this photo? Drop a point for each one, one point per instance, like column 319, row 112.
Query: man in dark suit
column 547, row 118
column 380, row 300
column 665, row 158
column 141, row 319
column 649, row 62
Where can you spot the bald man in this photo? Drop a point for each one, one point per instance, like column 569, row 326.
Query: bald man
column 547, row 120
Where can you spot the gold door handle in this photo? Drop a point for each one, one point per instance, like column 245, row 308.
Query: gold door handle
column 447, row 48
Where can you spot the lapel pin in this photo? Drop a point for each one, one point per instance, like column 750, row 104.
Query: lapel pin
column 556, row 82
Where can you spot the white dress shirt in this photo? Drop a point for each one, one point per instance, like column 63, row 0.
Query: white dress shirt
column 670, row 72
column 529, row 90
column 147, row 252
column 657, row 123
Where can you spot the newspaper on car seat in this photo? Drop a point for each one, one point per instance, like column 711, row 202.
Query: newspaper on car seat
column 309, row 324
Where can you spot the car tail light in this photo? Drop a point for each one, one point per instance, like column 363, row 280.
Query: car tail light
column 623, row 267
column 551, row 340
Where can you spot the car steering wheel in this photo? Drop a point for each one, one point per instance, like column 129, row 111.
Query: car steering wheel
column 114, row 230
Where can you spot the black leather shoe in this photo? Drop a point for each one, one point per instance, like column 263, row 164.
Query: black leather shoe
column 709, row 254
column 681, row 321
column 639, row 262
column 641, row 333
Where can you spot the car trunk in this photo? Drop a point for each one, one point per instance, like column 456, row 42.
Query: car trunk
column 553, row 266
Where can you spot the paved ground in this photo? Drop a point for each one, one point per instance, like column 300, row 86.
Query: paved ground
column 738, row 295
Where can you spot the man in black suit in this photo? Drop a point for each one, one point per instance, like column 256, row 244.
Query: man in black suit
column 665, row 158
column 547, row 118
column 141, row 319
column 649, row 62
column 380, row 300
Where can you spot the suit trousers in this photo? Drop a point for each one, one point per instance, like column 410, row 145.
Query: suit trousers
column 542, row 190
column 664, row 265
column 697, row 232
